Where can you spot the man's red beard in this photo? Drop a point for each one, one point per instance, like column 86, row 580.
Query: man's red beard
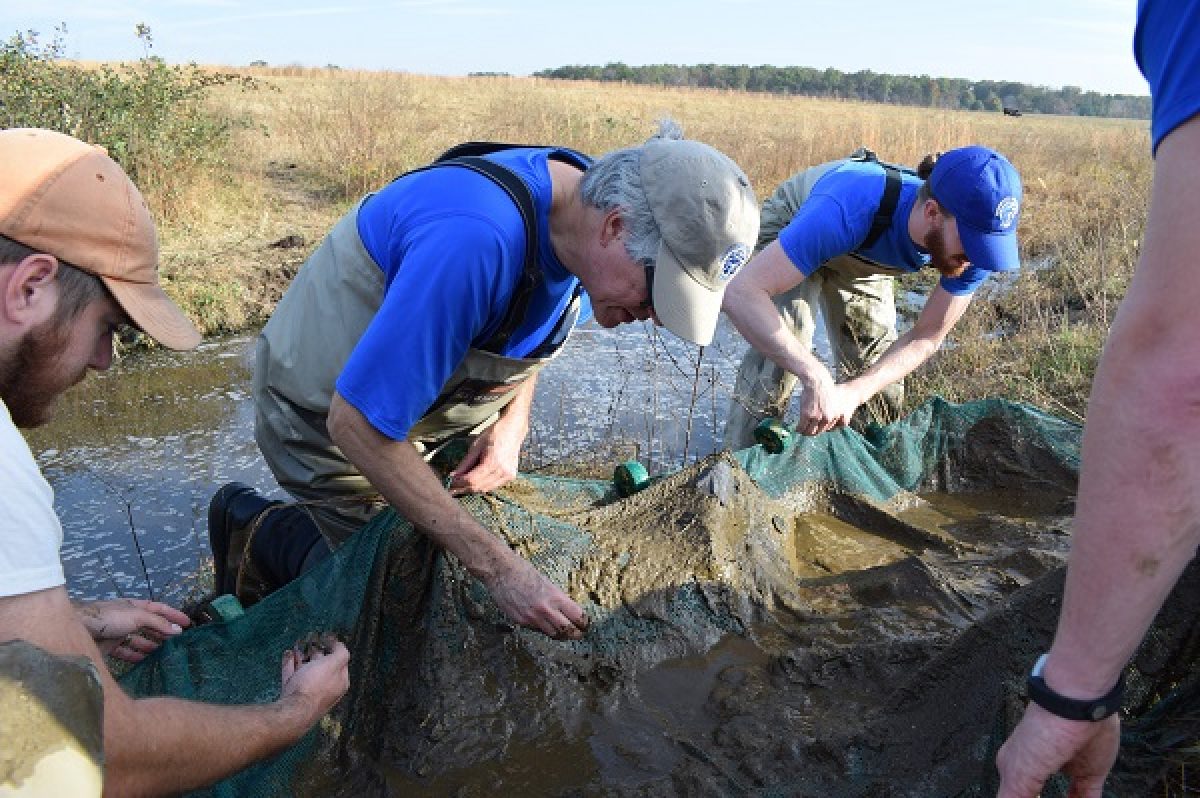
column 935, row 243
column 32, row 379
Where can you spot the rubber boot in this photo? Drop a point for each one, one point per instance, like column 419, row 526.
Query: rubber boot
column 285, row 544
column 233, row 515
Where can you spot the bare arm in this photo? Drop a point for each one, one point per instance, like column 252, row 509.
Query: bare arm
column 826, row 405
column 1137, row 523
column 941, row 312
column 409, row 485
column 495, row 456
column 155, row 746
column 748, row 305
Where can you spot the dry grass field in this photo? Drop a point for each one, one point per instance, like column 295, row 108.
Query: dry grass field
column 310, row 142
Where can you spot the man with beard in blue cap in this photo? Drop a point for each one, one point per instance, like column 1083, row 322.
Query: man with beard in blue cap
column 832, row 237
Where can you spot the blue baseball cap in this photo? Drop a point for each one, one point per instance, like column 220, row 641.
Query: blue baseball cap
column 982, row 190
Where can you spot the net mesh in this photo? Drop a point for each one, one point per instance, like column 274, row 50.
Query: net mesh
column 851, row 617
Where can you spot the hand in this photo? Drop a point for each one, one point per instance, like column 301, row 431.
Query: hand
column 129, row 629
column 530, row 599
column 316, row 670
column 825, row 406
column 491, row 461
column 1043, row 743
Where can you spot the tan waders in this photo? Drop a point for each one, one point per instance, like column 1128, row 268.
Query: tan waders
column 856, row 298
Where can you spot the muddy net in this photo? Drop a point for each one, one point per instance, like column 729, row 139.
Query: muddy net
column 852, row 617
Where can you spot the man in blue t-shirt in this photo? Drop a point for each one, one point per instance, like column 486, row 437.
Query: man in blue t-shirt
column 1137, row 524
column 819, row 247
column 425, row 315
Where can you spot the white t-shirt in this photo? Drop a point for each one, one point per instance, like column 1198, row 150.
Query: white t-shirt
column 30, row 532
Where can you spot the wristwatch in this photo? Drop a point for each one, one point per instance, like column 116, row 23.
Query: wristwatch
column 1072, row 708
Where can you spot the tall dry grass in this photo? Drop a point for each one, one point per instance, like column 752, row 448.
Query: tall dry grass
column 314, row 140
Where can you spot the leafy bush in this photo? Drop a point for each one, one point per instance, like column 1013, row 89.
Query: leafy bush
column 152, row 118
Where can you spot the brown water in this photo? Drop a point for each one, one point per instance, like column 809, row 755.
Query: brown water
column 846, row 609
column 634, row 740
column 836, row 604
column 140, row 450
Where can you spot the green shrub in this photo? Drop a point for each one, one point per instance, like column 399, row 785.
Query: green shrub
column 153, row 118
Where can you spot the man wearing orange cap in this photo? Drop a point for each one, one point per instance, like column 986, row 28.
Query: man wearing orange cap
column 78, row 259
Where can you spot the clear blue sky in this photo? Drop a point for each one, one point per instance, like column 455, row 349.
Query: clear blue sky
column 1084, row 43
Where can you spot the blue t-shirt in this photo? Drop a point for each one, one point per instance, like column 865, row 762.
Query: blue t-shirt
column 1166, row 45
column 838, row 214
column 451, row 244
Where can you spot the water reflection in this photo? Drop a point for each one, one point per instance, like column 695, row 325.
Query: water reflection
column 134, row 455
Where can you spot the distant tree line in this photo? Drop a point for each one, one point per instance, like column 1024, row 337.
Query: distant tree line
column 923, row 90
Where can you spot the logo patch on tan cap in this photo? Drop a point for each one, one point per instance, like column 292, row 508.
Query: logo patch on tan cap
column 734, row 258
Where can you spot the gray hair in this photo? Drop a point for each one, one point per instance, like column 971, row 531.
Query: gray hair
column 615, row 181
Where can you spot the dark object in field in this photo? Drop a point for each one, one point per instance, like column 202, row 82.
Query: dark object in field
column 289, row 242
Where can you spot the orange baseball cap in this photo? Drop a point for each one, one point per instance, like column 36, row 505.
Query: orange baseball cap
column 66, row 198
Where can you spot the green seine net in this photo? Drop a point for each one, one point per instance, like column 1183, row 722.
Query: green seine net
column 853, row 616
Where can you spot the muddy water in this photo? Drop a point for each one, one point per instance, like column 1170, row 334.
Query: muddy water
column 135, row 454
column 834, row 613
column 632, row 741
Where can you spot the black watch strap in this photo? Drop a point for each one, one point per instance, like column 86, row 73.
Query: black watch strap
column 1072, row 708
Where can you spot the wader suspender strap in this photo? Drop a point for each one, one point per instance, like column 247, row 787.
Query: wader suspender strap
column 469, row 155
column 887, row 206
column 532, row 272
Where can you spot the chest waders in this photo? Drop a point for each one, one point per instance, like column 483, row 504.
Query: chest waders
column 316, row 326
column 855, row 298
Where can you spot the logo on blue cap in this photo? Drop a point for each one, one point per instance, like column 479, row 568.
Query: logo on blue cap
column 982, row 191
column 1007, row 212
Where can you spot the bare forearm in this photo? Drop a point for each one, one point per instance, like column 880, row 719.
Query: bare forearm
column 941, row 312
column 516, row 413
column 161, row 745
column 1138, row 518
column 397, row 471
column 522, row 593
column 193, row 744
column 1136, row 525
column 902, row 358
column 757, row 319
column 414, row 490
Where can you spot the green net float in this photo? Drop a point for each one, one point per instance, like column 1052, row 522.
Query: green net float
column 226, row 607
column 772, row 435
column 630, row 477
